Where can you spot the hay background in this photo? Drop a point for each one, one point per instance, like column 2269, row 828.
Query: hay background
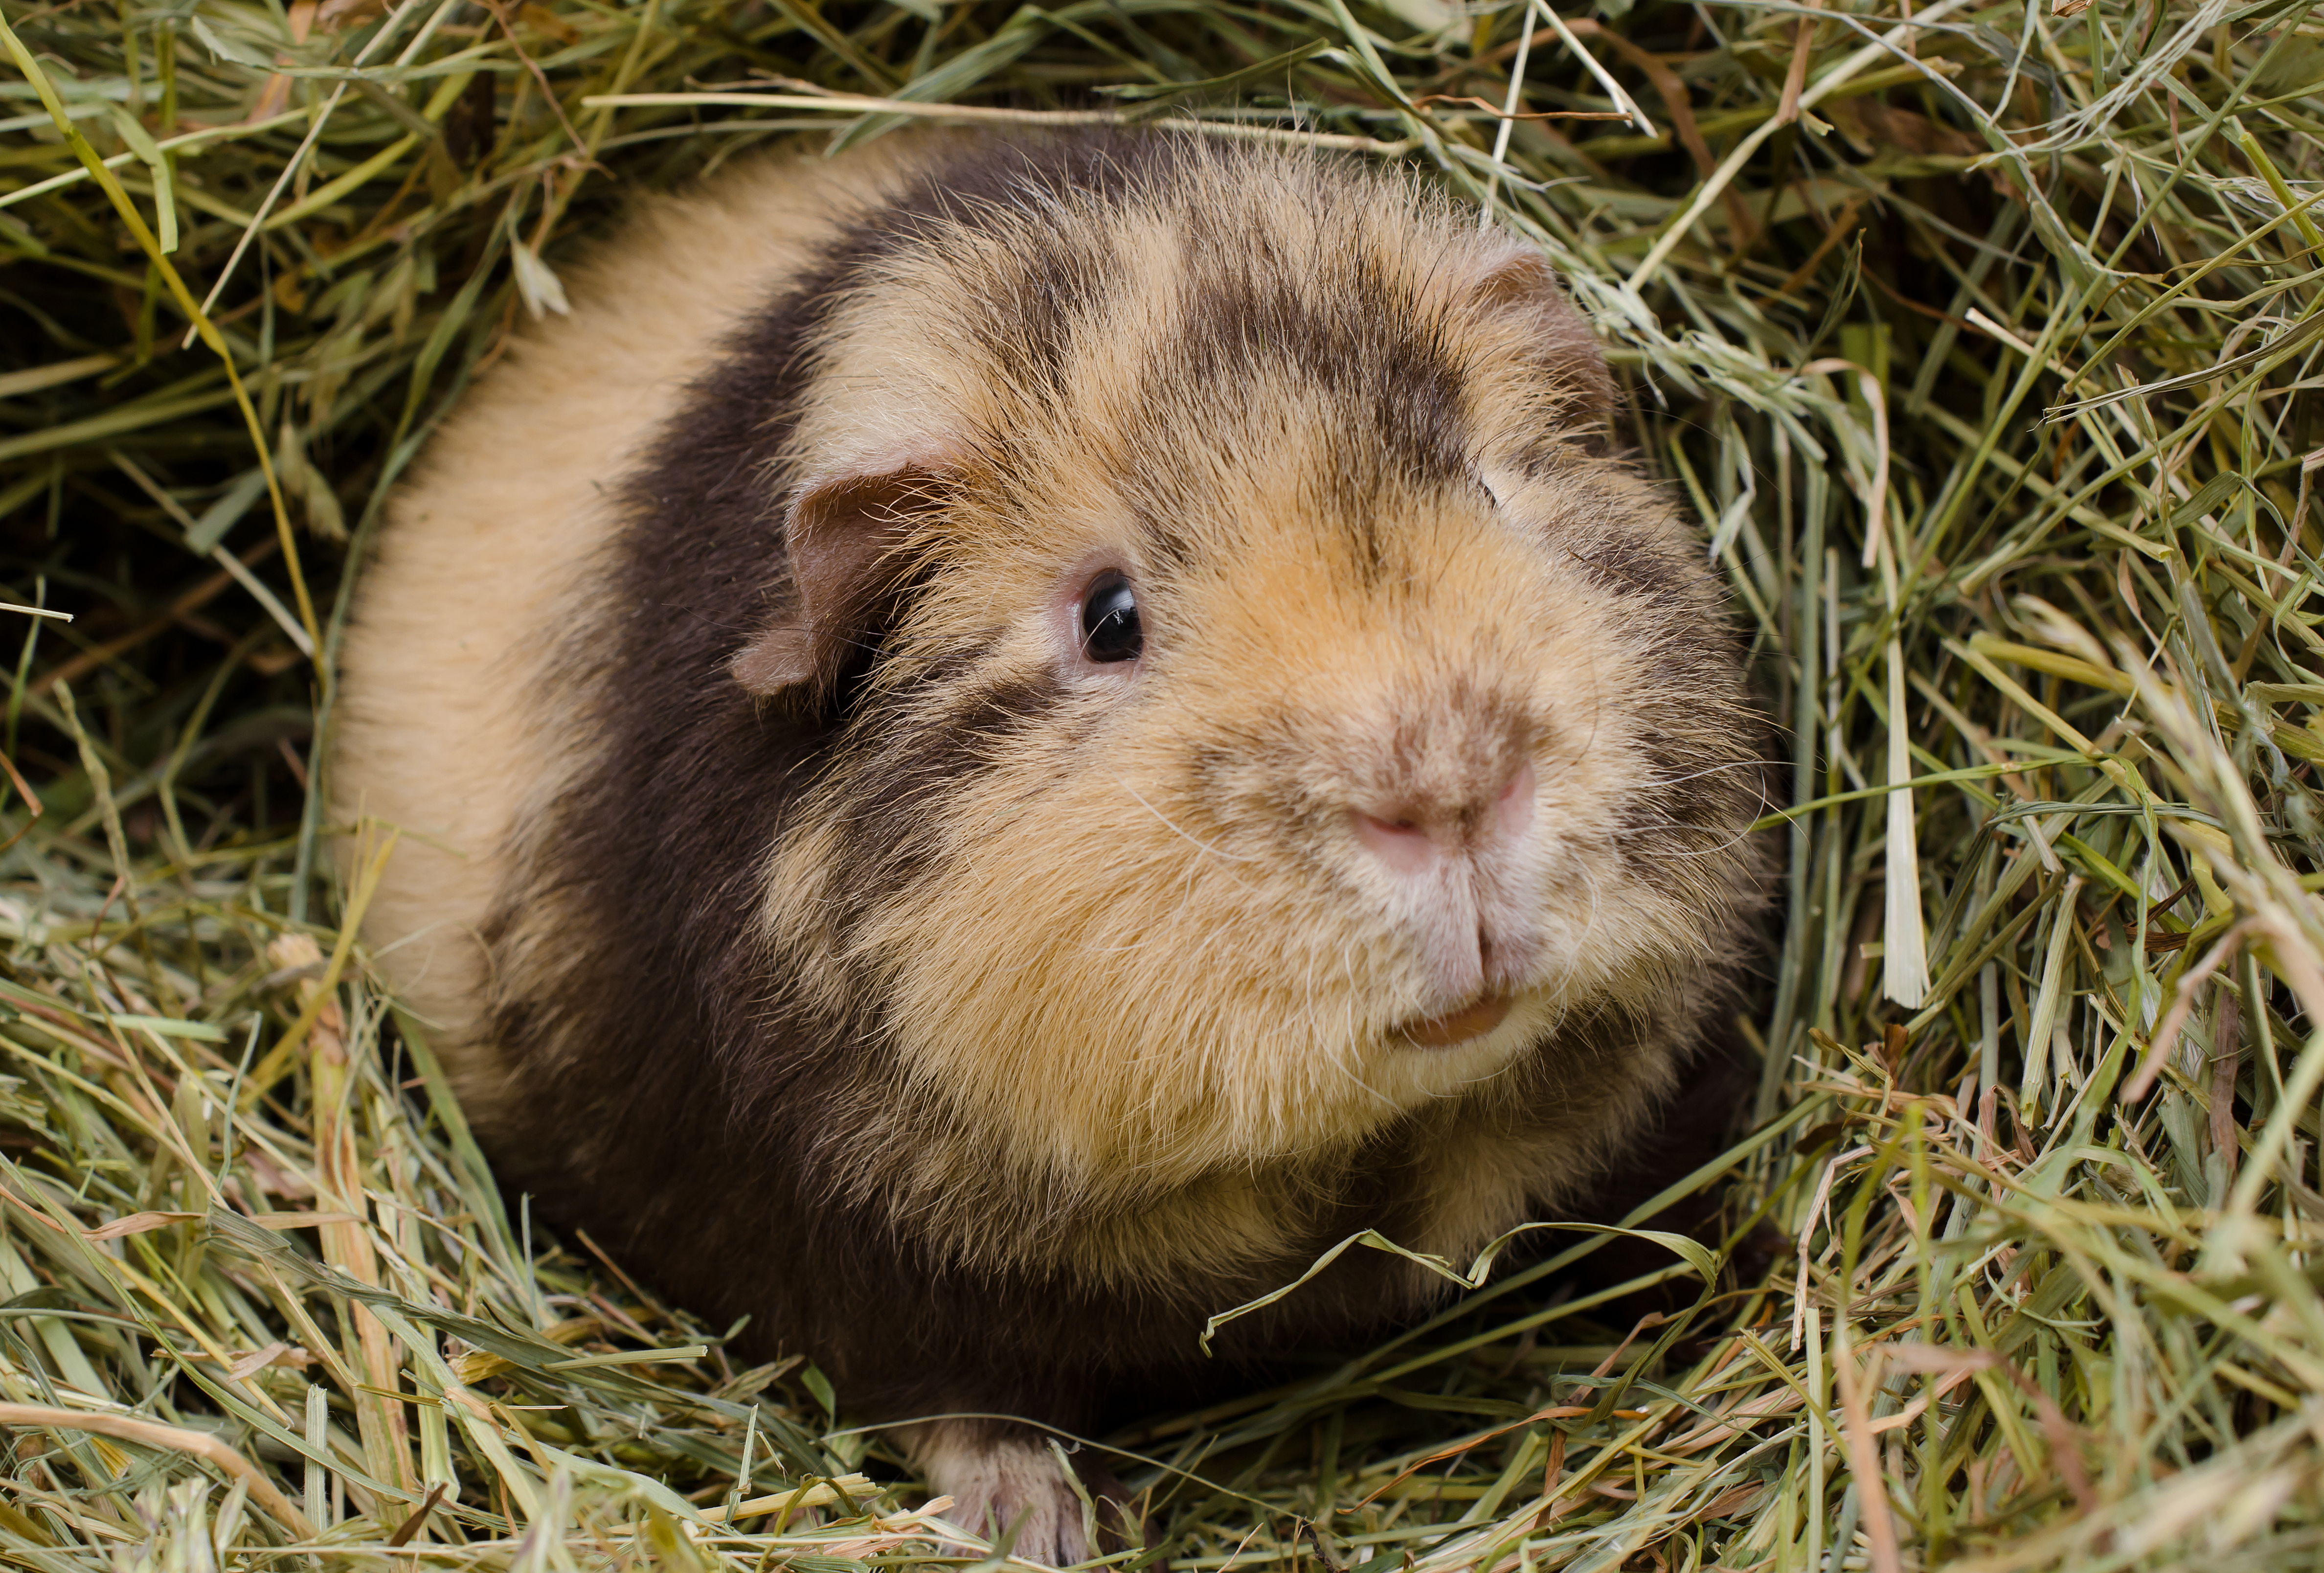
column 258, row 1297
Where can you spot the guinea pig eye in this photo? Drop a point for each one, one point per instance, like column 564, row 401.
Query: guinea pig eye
column 1110, row 631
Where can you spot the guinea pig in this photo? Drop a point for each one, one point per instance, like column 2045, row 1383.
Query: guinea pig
column 1001, row 741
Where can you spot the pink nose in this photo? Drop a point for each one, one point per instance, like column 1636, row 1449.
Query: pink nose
column 1412, row 835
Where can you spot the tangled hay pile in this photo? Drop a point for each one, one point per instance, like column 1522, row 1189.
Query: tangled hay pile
column 1980, row 334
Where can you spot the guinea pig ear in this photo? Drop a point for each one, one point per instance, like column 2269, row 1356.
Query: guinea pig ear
column 1521, row 289
column 843, row 537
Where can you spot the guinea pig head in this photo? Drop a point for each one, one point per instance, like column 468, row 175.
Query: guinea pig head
column 1267, row 712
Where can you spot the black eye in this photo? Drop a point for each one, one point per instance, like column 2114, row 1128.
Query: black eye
column 1110, row 626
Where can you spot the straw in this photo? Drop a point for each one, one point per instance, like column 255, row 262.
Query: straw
column 1982, row 337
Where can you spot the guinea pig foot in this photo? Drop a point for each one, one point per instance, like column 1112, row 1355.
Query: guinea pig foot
column 1011, row 1484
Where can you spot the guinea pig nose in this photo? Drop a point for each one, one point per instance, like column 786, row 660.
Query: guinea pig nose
column 1410, row 832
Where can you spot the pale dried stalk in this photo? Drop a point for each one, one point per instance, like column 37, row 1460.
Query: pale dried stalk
column 346, row 1246
column 150, row 1434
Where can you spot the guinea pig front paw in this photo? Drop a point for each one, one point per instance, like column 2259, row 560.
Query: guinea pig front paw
column 1007, row 1482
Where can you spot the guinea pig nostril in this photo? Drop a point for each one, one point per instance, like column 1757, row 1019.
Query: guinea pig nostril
column 1397, row 840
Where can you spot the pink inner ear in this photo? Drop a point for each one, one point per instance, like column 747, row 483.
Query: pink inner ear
column 842, row 539
column 1523, row 287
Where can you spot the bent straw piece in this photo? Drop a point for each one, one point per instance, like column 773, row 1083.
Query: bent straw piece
column 814, row 1493
column 850, row 104
column 170, row 1438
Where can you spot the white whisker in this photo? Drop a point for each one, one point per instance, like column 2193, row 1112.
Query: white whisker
column 1191, row 840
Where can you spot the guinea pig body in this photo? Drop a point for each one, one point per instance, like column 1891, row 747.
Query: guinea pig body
column 1001, row 742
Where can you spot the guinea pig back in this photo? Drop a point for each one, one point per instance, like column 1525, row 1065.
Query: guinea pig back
column 1000, row 741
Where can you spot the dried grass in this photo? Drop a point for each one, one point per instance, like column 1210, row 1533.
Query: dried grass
column 1981, row 338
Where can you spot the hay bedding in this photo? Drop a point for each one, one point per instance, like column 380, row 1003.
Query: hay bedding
column 1981, row 339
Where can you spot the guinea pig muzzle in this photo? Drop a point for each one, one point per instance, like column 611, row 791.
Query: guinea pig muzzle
column 1457, row 861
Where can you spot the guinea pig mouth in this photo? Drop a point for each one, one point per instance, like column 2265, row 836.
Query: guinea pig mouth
column 1470, row 1021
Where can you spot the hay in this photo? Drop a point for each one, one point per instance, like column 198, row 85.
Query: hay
column 1979, row 338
